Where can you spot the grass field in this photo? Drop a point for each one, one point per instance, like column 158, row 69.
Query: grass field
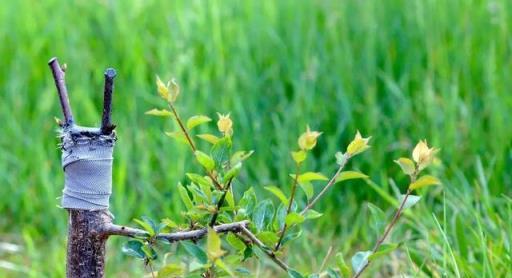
column 397, row 70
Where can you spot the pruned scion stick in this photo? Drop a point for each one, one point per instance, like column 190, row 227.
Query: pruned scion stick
column 60, row 83
column 89, row 229
column 106, row 122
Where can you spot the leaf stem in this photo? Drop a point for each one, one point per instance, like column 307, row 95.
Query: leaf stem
column 326, row 187
column 290, row 203
column 220, row 203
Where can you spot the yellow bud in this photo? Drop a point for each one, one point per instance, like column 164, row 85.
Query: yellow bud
column 163, row 91
column 174, row 90
column 225, row 124
column 423, row 155
column 307, row 140
column 358, row 145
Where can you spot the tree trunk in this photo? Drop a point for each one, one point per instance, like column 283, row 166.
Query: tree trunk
column 86, row 243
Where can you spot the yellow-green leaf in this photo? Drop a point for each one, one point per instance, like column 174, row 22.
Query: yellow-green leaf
column 159, row 113
column 163, row 90
column 170, row 271
column 350, row 175
column 213, row 245
column 424, row 181
column 205, row 160
column 197, row 120
column 278, row 193
column 294, row 218
column 406, row 164
column 299, row 156
column 178, row 136
column 212, row 139
column 310, row 176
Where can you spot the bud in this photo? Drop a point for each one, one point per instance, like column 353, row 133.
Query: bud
column 307, row 140
column 423, row 155
column 225, row 124
column 163, row 91
column 358, row 145
column 174, row 90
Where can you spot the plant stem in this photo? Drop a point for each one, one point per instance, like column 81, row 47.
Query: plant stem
column 106, row 120
column 290, row 202
column 264, row 248
column 60, row 83
column 191, row 143
column 326, row 187
column 220, row 203
column 394, row 220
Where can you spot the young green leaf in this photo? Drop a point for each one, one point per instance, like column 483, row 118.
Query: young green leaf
column 278, row 193
column 170, row 271
column 310, row 176
column 212, row 139
column 213, row 243
column 197, row 120
column 146, row 226
column 269, row 238
column 307, row 187
column 235, row 242
column 383, row 250
column 424, row 181
column 411, row 200
column 263, row 214
column 360, row 259
column 312, row 214
column 178, row 136
column 344, row 268
column 407, row 165
column 233, row 172
column 184, row 197
column 205, row 160
column 350, row 175
column 340, row 158
column 240, row 156
column 195, row 251
column 220, row 264
column 299, row 156
column 292, row 273
column 159, row 113
column 294, row 218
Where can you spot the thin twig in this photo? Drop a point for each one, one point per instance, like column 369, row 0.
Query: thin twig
column 326, row 187
column 394, row 220
column 113, row 229
column 294, row 188
column 60, row 83
column 265, row 249
column 220, row 203
column 106, row 120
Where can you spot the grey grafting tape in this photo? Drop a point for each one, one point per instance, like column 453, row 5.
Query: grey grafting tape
column 87, row 163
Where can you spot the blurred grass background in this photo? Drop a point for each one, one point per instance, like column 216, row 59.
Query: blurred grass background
column 399, row 70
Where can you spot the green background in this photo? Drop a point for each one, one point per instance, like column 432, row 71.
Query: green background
column 399, row 71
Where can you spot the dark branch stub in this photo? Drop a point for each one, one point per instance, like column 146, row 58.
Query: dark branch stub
column 106, row 122
column 60, row 83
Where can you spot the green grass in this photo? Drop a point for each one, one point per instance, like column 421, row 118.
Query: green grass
column 397, row 70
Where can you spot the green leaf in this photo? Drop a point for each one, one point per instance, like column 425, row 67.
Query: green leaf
column 133, row 248
column 230, row 200
column 195, row 251
column 205, row 160
column 212, row 139
column 307, row 187
column 407, row 165
column 267, row 237
column 312, row 214
column 170, row 271
column 292, row 273
column 248, row 201
column 233, row 172
column 197, row 120
column 383, row 250
column 411, row 200
column 235, row 242
column 149, row 252
column 178, row 136
column 146, row 226
column 359, row 260
column 310, row 176
column 344, row 268
column 350, row 175
column 294, row 218
column 220, row 264
column 332, row 273
column 263, row 214
column 213, row 245
column 184, row 197
column 424, row 181
column 278, row 193
column 159, row 113
column 240, row 156
column 377, row 218
column 220, row 150
column 299, row 156
column 169, row 223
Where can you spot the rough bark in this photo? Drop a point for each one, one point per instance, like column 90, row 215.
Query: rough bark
column 86, row 243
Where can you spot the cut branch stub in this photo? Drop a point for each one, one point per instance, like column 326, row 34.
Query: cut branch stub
column 106, row 121
column 60, row 83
